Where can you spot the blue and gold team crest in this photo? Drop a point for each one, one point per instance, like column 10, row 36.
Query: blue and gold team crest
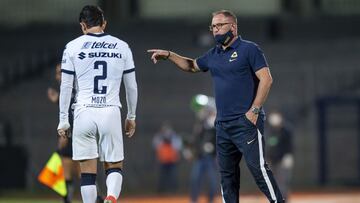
column 233, row 56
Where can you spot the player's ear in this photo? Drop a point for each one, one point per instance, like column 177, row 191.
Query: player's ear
column 103, row 26
column 83, row 28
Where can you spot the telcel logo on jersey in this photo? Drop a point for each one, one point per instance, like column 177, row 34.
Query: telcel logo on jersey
column 86, row 45
column 103, row 45
column 98, row 45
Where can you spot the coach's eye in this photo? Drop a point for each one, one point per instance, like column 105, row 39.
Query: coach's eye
column 218, row 26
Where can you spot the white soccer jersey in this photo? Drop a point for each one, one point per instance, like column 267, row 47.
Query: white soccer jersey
column 98, row 62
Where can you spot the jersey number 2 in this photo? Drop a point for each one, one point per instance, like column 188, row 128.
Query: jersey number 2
column 97, row 65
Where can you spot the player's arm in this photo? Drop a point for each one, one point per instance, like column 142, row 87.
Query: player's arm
column 130, row 84
column 131, row 100
column 67, row 81
column 184, row 63
column 64, row 102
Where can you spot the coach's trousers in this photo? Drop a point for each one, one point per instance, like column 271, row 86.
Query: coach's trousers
column 234, row 139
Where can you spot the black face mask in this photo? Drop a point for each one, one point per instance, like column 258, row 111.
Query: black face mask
column 224, row 39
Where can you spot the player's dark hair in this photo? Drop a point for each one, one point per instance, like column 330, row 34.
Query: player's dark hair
column 226, row 13
column 92, row 16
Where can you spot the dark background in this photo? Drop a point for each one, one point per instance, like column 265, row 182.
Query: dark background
column 312, row 47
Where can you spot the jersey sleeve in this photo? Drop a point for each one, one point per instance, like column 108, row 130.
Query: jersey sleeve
column 203, row 61
column 130, row 84
column 131, row 94
column 65, row 96
column 67, row 65
column 129, row 61
column 256, row 58
column 67, row 78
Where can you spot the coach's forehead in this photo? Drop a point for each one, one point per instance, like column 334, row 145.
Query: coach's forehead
column 220, row 18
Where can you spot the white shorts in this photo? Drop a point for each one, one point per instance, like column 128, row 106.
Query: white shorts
column 97, row 133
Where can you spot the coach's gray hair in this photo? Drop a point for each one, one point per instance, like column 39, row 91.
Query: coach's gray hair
column 226, row 13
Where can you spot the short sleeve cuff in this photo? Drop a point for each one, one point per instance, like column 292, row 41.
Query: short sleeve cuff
column 201, row 64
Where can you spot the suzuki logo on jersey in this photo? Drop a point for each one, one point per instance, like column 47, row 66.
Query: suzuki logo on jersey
column 86, row 45
column 103, row 45
column 82, row 55
column 104, row 55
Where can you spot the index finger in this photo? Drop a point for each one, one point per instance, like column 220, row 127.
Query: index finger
column 152, row 50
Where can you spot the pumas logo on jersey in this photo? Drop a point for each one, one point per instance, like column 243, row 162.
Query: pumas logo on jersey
column 233, row 56
column 86, row 45
column 82, row 55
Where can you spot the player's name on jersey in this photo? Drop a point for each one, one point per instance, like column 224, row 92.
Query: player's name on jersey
column 82, row 55
column 98, row 100
column 99, row 45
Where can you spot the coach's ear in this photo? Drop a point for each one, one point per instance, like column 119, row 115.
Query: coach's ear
column 103, row 26
column 83, row 28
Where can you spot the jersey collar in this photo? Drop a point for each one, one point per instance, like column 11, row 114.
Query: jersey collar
column 236, row 43
column 96, row 34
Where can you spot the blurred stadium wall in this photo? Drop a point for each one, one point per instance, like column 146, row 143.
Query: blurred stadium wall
column 312, row 46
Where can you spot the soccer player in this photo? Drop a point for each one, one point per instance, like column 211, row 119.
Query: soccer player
column 242, row 81
column 98, row 62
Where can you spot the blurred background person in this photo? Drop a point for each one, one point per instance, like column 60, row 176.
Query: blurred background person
column 280, row 150
column 202, row 148
column 64, row 147
column 167, row 144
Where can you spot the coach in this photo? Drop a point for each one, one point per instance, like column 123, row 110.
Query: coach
column 242, row 81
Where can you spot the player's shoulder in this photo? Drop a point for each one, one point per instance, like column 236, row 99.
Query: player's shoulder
column 121, row 43
column 73, row 44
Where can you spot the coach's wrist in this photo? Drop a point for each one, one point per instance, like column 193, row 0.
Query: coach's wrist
column 169, row 54
column 255, row 110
